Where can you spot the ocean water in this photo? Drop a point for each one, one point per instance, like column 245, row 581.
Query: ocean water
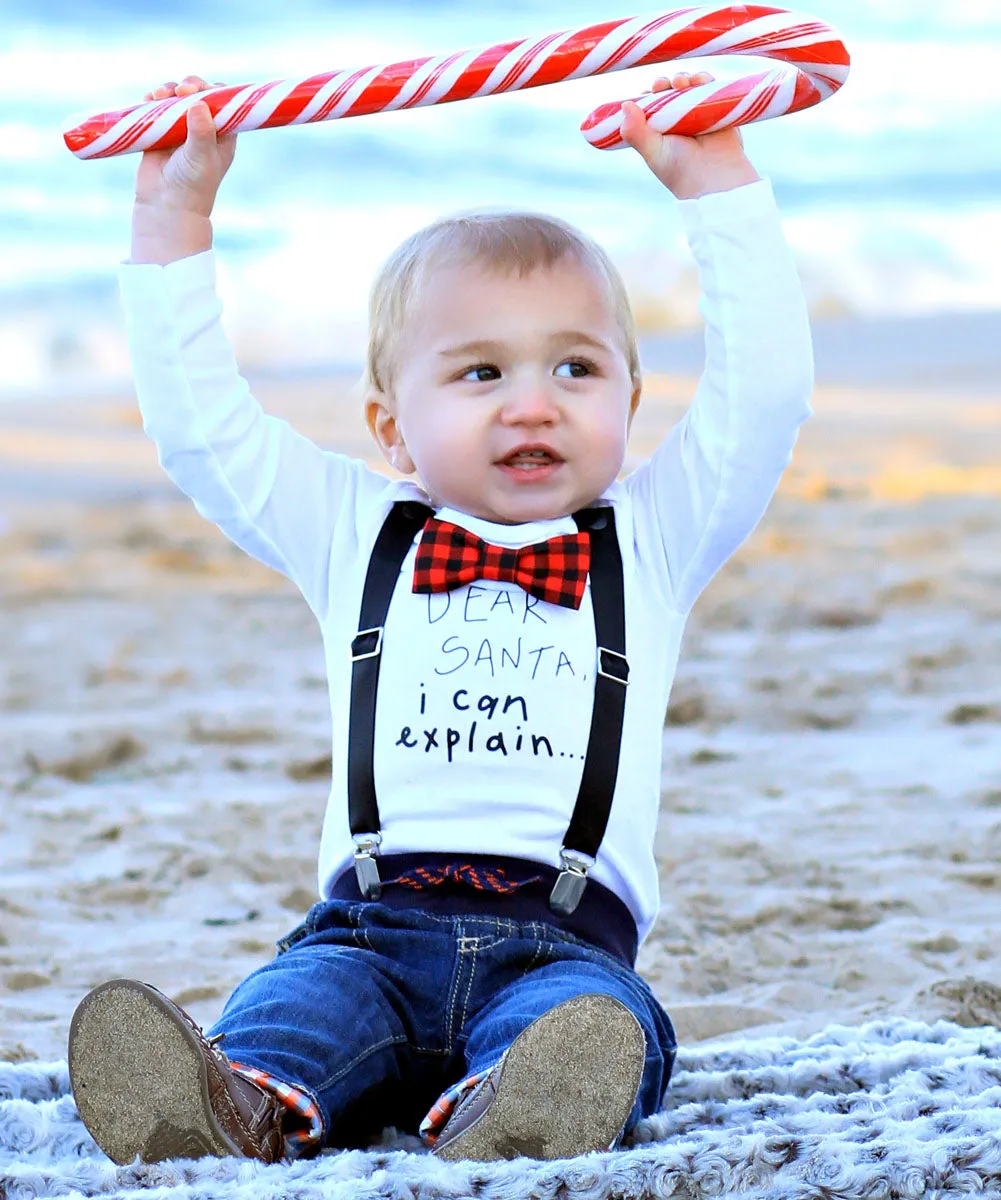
column 890, row 191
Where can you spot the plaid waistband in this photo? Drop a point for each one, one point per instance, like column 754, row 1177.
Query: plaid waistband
column 490, row 885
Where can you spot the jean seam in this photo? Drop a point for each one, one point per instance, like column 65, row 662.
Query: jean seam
column 469, row 986
column 366, row 1053
column 359, row 934
column 447, row 1032
column 539, row 943
column 453, row 1028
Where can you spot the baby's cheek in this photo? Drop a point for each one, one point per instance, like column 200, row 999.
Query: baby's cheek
column 611, row 455
column 458, row 447
column 450, row 463
column 610, row 442
column 437, row 439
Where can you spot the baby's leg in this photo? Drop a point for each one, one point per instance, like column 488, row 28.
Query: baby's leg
column 326, row 1029
column 329, row 1018
column 563, row 1061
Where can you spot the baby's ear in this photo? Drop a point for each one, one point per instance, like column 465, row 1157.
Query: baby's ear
column 380, row 417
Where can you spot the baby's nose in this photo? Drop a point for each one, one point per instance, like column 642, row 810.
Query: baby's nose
column 531, row 402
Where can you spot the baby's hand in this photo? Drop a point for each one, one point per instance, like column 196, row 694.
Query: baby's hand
column 186, row 178
column 688, row 166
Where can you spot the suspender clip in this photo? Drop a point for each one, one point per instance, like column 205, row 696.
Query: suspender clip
column 366, row 868
column 367, row 643
column 571, row 881
column 613, row 665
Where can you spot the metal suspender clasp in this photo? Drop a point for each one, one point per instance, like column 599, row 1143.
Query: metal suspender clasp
column 613, row 665
column 366, row 868
column 367, row 643
column 571, row 881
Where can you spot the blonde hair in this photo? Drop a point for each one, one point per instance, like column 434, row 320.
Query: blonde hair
column 503, row 241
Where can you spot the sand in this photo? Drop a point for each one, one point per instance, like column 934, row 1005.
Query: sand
column 830, row 836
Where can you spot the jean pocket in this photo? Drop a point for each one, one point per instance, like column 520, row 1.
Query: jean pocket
column 303, row 930
column 296, row 935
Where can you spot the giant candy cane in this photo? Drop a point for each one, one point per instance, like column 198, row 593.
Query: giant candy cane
column 815, row 64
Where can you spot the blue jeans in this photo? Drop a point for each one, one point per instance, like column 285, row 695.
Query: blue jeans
column 374, row 1011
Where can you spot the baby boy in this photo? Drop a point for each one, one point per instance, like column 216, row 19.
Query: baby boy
column 501, row 621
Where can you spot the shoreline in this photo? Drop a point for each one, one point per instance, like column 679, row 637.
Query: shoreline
column 956, row 351
column 947, row 351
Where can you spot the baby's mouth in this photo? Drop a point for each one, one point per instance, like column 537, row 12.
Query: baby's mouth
column 530, row 460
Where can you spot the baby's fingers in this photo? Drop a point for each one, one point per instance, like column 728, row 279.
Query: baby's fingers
column 188, row 85
column 161, row 92
column 681, row 81
column 192, row 83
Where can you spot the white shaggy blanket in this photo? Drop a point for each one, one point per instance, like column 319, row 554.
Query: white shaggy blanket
column 891, row 1109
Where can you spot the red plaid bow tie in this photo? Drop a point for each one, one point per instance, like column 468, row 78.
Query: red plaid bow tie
column 555, row 570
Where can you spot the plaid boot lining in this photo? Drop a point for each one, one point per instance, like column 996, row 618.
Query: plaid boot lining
column 298, row 1104
column 445, row 1105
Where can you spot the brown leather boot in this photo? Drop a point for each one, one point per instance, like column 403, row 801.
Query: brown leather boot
column 565, row 1086
column 146, row 1081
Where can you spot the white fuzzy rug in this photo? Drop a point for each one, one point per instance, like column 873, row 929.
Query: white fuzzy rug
column 891, row 1109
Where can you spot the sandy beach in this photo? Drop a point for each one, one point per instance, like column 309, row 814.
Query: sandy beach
column 830, row 834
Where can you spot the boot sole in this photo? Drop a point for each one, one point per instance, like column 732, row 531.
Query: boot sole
column 566, row 1086
column 139, row 1079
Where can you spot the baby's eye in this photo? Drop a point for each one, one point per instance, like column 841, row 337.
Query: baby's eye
column 481, row 367
column 584, row 363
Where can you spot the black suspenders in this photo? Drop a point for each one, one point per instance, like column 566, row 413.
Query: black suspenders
column 601, row 764
column 391, row 546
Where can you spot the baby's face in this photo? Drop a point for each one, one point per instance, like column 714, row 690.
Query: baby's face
column 492, row 364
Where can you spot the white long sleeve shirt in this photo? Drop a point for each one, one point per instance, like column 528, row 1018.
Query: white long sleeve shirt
column 485, row 693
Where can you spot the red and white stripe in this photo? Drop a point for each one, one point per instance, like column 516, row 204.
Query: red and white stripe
column 815, row 64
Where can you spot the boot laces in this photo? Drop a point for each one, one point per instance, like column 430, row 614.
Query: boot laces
column 213, row 1044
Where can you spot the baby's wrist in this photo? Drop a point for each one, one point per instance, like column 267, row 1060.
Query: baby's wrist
column 162, row 234
column 718, row 179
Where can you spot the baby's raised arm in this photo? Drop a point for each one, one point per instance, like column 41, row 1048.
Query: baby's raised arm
column 270, row 490
column 708, row 483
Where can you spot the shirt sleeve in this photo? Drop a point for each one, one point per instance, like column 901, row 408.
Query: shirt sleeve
column 709, row 482
column 269, row 489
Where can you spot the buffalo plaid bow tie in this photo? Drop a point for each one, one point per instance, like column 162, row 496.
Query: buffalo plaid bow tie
column 555, row 570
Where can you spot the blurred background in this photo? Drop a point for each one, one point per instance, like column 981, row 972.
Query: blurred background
column 890, row 192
